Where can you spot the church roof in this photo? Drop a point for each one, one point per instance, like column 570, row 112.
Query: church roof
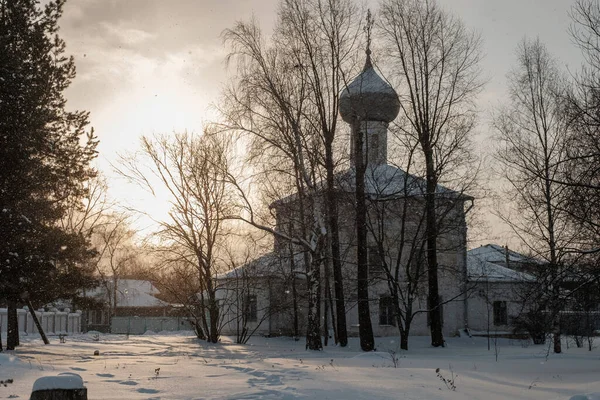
column 382, row 182
column 369, row 98
column 386, row 180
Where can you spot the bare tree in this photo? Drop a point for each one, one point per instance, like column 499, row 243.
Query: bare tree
column 254, row 291
column 396, row 225
column 320, row 37
column 532, row 130
column 193, row 170
column 268, row 105
column 583, row 153
column 117, row 252
column 90, row 212
column 178, row 283
column 434, row 59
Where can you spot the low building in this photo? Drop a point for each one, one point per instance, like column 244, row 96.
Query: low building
column 496, row 291
column 130, row 298
column 263, row 297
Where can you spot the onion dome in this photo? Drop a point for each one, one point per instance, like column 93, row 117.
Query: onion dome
column 369, row 98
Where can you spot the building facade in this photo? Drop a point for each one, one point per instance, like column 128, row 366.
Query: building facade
column 396, row 237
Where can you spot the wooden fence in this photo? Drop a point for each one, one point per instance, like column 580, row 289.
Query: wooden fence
column 53, row 322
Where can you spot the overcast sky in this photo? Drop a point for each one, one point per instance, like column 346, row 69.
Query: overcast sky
column 147, row 66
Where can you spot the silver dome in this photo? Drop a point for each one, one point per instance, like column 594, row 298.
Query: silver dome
column 369, row 98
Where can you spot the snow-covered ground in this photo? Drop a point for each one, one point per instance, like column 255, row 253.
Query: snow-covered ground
column 280, row 368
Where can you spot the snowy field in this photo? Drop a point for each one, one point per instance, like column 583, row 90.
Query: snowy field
column 279, row 368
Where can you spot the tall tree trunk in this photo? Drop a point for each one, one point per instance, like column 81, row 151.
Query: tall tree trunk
column 403, row 326
column 333, row 326
column 203, row 312
column 198, row 329
column 404, row 338
column 213, row 307
column 313, row 330
column 556, row 314
column 554, row 267
column 36, row 321
column 326, row 309
column 214, row 321
column 115, row 288
column 365, row 329
column 435, row 315
column 332, row 217
column 12, row 329
column 294, row 292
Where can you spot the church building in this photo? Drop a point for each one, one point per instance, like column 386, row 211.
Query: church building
column 396, row 238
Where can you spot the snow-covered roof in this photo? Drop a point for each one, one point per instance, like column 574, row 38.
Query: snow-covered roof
column 369, row 97
column 131, row 293
column 388, row 181
column 382, row 182
column 497, row 254
column 480, row 270
column 270, row 264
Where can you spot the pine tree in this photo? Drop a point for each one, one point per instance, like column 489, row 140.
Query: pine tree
column 45, row 155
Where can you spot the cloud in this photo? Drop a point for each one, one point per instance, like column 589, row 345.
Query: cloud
column 126, row 35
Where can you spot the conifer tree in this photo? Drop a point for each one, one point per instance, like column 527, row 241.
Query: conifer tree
column 45, row 155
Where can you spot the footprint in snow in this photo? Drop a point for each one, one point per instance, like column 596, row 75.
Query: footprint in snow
column 148, row 391
column 130, row 383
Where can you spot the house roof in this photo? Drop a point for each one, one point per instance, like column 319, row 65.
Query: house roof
column 131, row 293
column 497, row 254
column 480, row 269
column 383, row 181
column 270, row 264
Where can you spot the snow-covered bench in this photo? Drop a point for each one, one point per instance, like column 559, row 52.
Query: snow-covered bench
column 64, row 386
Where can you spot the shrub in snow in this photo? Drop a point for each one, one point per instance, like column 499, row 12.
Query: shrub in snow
column 449, row 382
column 6, row 382
column 534, row 322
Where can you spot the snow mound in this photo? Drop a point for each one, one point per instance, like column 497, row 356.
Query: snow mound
column 588, row 396
column 65, row 380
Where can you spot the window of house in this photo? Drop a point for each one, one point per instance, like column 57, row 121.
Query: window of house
column 386, row 311
column 375, row 261
column 500, row 313
column 250, row 304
